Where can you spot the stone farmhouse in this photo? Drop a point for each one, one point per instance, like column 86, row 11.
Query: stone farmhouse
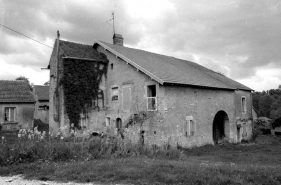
column 16, row 105
column 153, row 98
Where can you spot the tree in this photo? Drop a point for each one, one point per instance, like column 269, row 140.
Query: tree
column 264, row 105
column 274, row 114
column 255, row 98
column 47, row 83
column 25, row 79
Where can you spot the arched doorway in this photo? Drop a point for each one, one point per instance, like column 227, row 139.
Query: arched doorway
column 118, row 123
column 220, row 124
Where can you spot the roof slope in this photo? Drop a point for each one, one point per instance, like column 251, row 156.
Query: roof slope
column 42, row 92
column 76, row 50
column 15, row 91
column 166, row 69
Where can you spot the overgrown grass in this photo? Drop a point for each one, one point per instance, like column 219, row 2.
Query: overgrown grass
column 104, row 161
column 143, row 170
column 77, row 149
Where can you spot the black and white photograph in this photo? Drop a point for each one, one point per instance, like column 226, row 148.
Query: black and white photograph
column 140, row 92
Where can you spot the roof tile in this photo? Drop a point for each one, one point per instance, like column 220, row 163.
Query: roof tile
column 173, row 70
column 42, row 92
column 15, row 91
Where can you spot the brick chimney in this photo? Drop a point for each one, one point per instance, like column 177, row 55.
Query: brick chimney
column 117, row 39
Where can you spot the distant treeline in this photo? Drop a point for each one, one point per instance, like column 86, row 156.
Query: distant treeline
column 268, row 103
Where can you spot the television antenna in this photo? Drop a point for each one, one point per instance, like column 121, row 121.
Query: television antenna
column 112, row 19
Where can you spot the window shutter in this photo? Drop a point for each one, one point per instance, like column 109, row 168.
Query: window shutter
column 126, row 98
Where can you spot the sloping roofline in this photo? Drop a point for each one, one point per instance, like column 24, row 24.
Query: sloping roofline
column 130, row 62
column 161, row 81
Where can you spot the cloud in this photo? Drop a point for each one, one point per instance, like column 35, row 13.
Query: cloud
column 238, row 38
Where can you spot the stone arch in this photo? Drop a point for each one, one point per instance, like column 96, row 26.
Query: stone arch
column 118, row 123
column 220, row 125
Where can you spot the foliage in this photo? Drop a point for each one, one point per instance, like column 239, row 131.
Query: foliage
column 47, row 83
column 268, row 103
column 33, row 146
column 25, row 79
column 80, row 81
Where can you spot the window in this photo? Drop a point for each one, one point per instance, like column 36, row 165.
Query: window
column 111, row 65
column 114, row 93
column 10, row 114
column 44, row 107
column 243, row 104
column 107, row 121
column 151, row 98
column 83, row 121
column 189, row 126
column 126, row 97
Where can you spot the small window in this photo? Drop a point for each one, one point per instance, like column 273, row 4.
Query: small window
column 114, row 94
column 10, row 114
column 44, row 107
column 83, row 121
column 111, row 65
column 151, row 98
column 107, row 121
column 243, row 104
column 189, row 127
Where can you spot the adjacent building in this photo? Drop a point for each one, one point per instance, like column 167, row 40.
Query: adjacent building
column 41, row 96
column 16, row 105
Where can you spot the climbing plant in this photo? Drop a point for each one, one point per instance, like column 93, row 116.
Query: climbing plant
column 80, row 82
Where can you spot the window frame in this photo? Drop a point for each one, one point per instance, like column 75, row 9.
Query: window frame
column 188, row 125
column 9, row 116
column 244, row 105
column 130, row 89
column 113, row 95
column 83, row 121
column 151, row 98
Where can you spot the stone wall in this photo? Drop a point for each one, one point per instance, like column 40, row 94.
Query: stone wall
column 175, row 105
column 122, row 75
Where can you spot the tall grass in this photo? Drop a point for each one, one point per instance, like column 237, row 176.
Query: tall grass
column 33, row 146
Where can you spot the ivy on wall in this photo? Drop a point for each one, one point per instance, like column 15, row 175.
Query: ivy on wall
column 80, row 81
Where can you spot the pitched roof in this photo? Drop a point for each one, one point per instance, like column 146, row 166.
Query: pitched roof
column 42, row 92
column 166, row 69
column 15, row 91
column 76, row 51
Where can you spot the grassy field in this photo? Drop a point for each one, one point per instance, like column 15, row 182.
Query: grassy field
column 252, row 163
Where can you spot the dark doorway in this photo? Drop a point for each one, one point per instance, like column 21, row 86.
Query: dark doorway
column 118, row 123
column 221, row 121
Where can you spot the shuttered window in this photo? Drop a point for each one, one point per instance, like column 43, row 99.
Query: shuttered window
column 126, row 96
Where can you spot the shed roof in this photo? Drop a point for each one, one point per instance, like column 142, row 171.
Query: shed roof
column 15, row 91
column 166, row 69
column 42, row 92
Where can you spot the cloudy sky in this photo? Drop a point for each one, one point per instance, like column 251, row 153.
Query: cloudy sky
column 241, row 39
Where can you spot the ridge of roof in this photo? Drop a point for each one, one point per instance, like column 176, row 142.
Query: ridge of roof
column 168, row 69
